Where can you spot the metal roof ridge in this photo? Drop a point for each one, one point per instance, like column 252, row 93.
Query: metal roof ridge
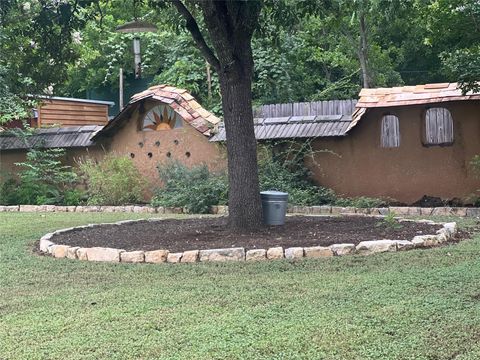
column 90, row 101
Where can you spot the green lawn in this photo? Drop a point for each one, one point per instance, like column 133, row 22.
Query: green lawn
column 422, row 304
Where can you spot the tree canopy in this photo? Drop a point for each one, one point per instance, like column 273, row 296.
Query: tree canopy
column 303, row 51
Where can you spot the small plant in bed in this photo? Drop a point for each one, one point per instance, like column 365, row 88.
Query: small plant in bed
column 390, row 222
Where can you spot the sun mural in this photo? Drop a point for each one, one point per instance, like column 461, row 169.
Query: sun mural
column 161, row 117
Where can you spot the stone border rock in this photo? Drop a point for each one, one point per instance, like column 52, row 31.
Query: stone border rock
column 47, row 246
column 222, row 210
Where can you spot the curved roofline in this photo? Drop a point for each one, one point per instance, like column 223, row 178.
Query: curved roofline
column 179, row 100
column 407, row 96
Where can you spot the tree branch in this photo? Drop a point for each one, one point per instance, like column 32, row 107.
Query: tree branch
column 198, row 38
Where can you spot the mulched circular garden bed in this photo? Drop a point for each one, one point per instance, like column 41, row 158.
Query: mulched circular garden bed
column 213, row 233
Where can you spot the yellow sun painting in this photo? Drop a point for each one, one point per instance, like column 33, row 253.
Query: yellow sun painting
column 161, row 117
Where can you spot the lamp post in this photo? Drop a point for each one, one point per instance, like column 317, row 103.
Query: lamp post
column 137, row 26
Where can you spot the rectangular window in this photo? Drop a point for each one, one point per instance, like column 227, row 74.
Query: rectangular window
column 390, row 135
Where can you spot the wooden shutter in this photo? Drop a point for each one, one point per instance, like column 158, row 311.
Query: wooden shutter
column 438, row 126
column 390, row 134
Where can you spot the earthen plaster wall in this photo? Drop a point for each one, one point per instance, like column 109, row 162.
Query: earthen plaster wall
column 8, row 158
column 147, row 149
column 151, row 148
column 358, row 166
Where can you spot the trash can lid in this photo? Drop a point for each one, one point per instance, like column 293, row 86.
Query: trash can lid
column 273, row 195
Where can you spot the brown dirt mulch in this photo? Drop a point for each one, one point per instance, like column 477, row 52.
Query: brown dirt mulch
column 212, row 233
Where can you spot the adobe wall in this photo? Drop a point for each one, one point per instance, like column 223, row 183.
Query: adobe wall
column 184, row 144
column 73, row 155
column 361, row 167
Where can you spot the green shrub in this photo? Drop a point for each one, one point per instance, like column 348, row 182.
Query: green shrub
column 281, row 167
column 112, row 181
column 195, row 188
column 74, row 197
column 42, row 179
column 360, row 202
column 8, row 192
column 274, row 175
column 472, row 199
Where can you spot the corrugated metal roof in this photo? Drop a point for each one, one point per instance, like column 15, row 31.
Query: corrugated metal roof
column 67, row 137
column 326, row 107
column 86, row 101
column 293, row 127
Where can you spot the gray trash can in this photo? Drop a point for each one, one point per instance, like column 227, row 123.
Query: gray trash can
column 274, row 205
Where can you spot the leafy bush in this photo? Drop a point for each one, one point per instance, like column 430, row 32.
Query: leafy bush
column 274, row 175
column 360, row 202
column 112, row 181
column 281, row 167
column 196, row 188
column 43, row 179
column 8, row 192
column 74, row 197
column 472, row 199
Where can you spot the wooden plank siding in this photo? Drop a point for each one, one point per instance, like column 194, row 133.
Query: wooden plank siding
column 71, row 113
column 328, row 107
column 390, row 134
column 438, row 126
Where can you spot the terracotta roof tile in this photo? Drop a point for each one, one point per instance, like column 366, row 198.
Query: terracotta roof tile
column 164, row 99
column 195, row 105
column 200, row 125
column 180, row 101
column 408, row 95
column 411, row 95
column 188, row 97
column 203, row 113
column 437, row 86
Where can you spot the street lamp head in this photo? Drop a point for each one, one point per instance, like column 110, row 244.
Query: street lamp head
column 136, row 26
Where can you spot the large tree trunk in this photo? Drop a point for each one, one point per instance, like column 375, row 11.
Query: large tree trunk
column 230, row 25
column 244, row 206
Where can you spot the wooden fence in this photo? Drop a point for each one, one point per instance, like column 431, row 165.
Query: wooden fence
column 330, row 107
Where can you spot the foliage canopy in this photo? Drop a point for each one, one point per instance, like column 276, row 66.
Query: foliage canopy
column 303, row 51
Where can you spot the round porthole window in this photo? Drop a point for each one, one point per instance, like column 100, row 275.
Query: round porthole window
column 175, row 142
column 132, row 155
column 187, row 154
column 157, row 143
column 169, row 154
column 150, row 155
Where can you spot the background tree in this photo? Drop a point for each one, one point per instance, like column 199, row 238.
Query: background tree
column 459, row 47
column 35, row 46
